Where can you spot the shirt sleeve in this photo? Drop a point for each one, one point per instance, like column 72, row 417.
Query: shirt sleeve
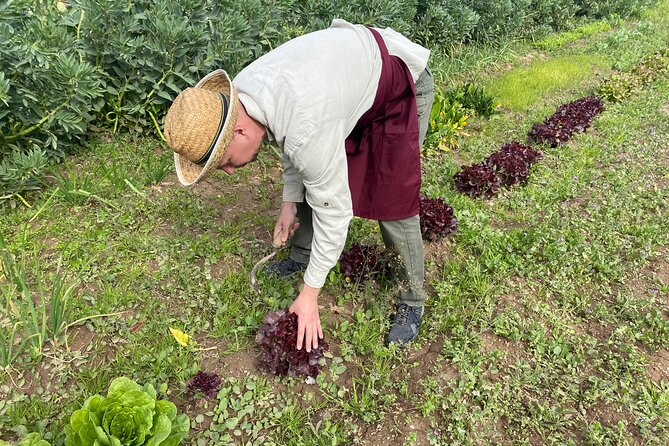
column 293, row 185
column 321, row 160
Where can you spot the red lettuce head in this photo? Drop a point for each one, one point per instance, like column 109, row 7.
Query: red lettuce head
column 511, row 164
column 277, row 337
column 436, row 218
column 477, row 180
column 207, row 383
column 362, row 262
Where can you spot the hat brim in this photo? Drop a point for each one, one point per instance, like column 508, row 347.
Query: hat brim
column 190, row 173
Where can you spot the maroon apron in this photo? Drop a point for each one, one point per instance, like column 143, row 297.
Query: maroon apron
column 382, row 151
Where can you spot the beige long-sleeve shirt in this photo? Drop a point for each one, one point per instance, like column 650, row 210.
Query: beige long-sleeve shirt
column 309, row 93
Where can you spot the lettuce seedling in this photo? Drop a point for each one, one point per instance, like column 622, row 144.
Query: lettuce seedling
column 568, row 119
column 511, row 164
column 33, row 439
column 277, row 338
column 361, row 262
column 477, row 180
column 130, row 415
column 207, row 383
column 436, row 218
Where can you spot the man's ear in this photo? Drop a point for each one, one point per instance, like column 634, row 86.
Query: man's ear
column 239, row 129
column 239, row 132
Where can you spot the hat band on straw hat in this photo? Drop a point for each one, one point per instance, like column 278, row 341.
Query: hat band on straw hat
column 224, row 102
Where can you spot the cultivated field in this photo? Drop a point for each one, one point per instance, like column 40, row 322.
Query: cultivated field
column 548, row 315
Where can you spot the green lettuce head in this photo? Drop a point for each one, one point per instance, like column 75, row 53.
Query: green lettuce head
column 130, row 415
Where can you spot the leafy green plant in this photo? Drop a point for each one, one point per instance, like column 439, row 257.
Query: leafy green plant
column 653, row 67
column 618, row 87
column 156, row 168
column 447, row 122
column 33, row 314
column 20, row 172
column 33, row 439
column 621, row 85
column 473, row 98
column 130, row 415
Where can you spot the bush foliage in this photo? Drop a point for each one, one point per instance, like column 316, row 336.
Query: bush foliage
column 67, row 67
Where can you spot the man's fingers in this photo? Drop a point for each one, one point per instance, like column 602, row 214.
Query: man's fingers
column 309, row 336
column 293, row 228
column 300, row 334
column 277, row 230
column 277, row 239
column 320, row 330
column 316, row 334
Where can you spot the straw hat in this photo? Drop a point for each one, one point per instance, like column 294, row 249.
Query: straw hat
column 199, row 126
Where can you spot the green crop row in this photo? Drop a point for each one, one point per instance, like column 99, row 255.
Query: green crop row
column 623, row 84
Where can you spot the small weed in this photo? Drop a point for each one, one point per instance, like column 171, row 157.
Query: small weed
column 365, row 401
column 74, row 188
column 156, row 168
column 113, row 173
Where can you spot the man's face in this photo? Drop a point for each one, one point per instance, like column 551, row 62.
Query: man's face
column 239, row 154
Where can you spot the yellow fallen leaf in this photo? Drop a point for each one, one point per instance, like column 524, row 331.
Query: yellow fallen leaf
column 181, row 337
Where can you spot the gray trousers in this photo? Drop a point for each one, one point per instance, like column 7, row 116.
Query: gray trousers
column 402, row 236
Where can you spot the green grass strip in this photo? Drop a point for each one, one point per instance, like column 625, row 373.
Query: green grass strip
column 523, row 87
column 558, row 40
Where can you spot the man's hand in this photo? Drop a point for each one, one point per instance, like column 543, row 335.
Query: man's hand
column 286, row 224
column 308, row 320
